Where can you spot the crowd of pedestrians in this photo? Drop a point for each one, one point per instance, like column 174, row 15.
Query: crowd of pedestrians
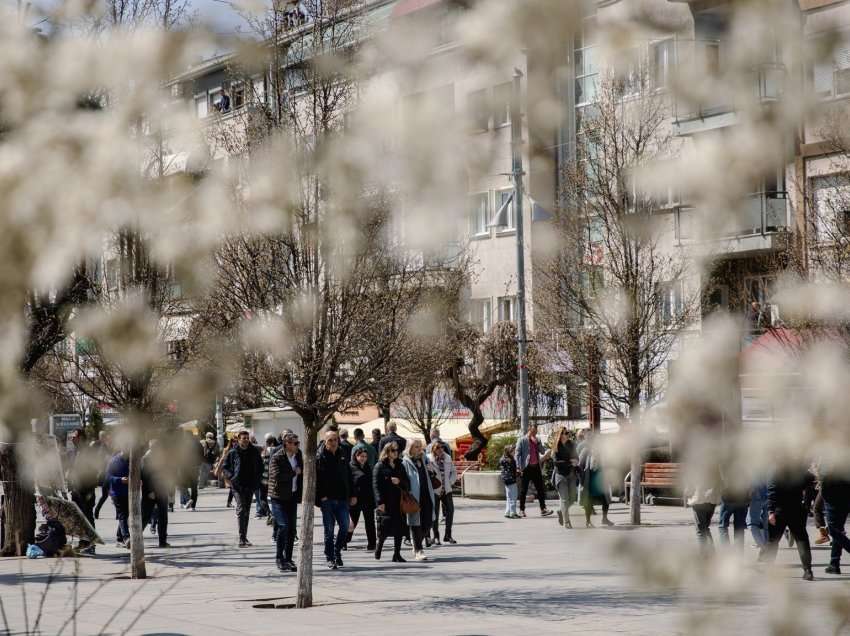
column 392, row 488
column 776, row 509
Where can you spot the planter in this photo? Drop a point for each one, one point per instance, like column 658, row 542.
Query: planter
column 483, row 485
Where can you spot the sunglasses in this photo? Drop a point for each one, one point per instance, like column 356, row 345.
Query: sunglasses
column 392, row 450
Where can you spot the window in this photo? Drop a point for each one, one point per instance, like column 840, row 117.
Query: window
column 112, row 274
column 502, row 104
column 177, row 350
column 177, row 90
column 201, row 105
column 628, row 77
column 479, row 209
column 479, row 115
column 672, row 295
column 237, row 95
column 831, row 208
column 507, row 308
column 586, row 68
column 661, row 61
column 831, row 76
column 510, row 216
column 711, row 58
column 481, row 314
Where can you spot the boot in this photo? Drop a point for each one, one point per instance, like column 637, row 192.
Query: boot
column 378, row 548
column 823, row 538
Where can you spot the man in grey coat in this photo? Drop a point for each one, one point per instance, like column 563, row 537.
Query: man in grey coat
column 530, row 455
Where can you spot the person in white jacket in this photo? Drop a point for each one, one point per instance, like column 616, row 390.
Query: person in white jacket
column 443, row 497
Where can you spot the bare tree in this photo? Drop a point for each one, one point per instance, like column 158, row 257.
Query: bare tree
column 618, row 293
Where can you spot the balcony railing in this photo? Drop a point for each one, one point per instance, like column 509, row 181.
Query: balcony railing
column 759, row 214
column 698, row 60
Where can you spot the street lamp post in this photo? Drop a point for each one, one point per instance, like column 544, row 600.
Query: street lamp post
column 516, row 197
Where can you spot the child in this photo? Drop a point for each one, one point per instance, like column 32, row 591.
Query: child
column 509, row 471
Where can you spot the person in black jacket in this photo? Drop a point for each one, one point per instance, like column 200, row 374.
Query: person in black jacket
column 835, row 488
column 789, row 495
column 361, row 476
column 392, row 436
column 388, row 480
column 285, row 483
column 333, row 495
column 155, row 489
column 243, row 468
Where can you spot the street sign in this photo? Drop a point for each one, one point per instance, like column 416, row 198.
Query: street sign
column 62, row 424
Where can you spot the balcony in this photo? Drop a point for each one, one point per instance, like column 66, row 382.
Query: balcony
column 712, row 104
column 756, row 226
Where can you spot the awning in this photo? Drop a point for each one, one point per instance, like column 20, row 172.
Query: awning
column 406, row 7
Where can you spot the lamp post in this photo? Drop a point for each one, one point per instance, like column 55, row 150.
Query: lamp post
column 500, row 220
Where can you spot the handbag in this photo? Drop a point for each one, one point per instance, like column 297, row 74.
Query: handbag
column 435, row 481
column 409, row 505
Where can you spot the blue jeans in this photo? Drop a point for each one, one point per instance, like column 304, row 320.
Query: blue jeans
column 334, row 511
column 757, row 516
column 510, row 499
column 836, row 517
column 737, row 514
column 284, row 514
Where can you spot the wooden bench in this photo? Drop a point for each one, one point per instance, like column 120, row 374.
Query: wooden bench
column 658, row 476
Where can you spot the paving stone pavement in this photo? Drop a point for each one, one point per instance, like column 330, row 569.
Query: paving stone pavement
column 503, row 577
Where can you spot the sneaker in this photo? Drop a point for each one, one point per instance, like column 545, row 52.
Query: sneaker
column 339, row 562
column 833, row 569
column 507, row 516
column 165, row 544
column 808, row 575
column 243, row 543
column 406, row 541
column 420, row 556
column 515, row 516
column 449, row 540
column 607, row 522
column 437, row 541
column 428, row 542
column 397, row 558
column 522, row 513
column 546, row 513
column 291, row 566
column 332, row 565
column 87, row 550
column 281, row 566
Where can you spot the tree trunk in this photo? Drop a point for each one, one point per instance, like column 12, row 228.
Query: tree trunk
column 384, row 411
column 479, row 442
column 137, row 540
column 304, row 581
column 18, row 505
column 636, row 463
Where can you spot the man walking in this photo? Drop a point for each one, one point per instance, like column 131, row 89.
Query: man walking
column 345, row 446
column 392, row 436
column 83, row 468
column 211, row 453
column 789, row 496
column 285, row 470
column 530, row 454
column 376, row 441
column 333, row 492
column 436, row 439
column 835, row 489
column 117, row 478
column 243, row 468
column 155, row 489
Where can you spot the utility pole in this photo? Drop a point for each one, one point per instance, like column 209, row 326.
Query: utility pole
column 219, row 424
column 518, row 174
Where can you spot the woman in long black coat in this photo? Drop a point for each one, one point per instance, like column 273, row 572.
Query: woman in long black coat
column 389, row 479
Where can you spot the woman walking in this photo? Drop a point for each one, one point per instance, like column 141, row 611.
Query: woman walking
column 566, row 480
column 594, row 490
column 509, row 473
column 388, row 480
column 417, row 467
column 443, row 497
column 361, row 474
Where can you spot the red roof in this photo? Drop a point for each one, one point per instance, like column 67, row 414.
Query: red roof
column 405, row 7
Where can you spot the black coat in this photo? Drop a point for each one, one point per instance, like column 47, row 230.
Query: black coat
column 790, row 491
column 563, row 456
column 392, row 437
column 387, row 493
column 243, row 468
column 361, row 478
column 333, row 476
column 281, row 476
column 835, row 490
